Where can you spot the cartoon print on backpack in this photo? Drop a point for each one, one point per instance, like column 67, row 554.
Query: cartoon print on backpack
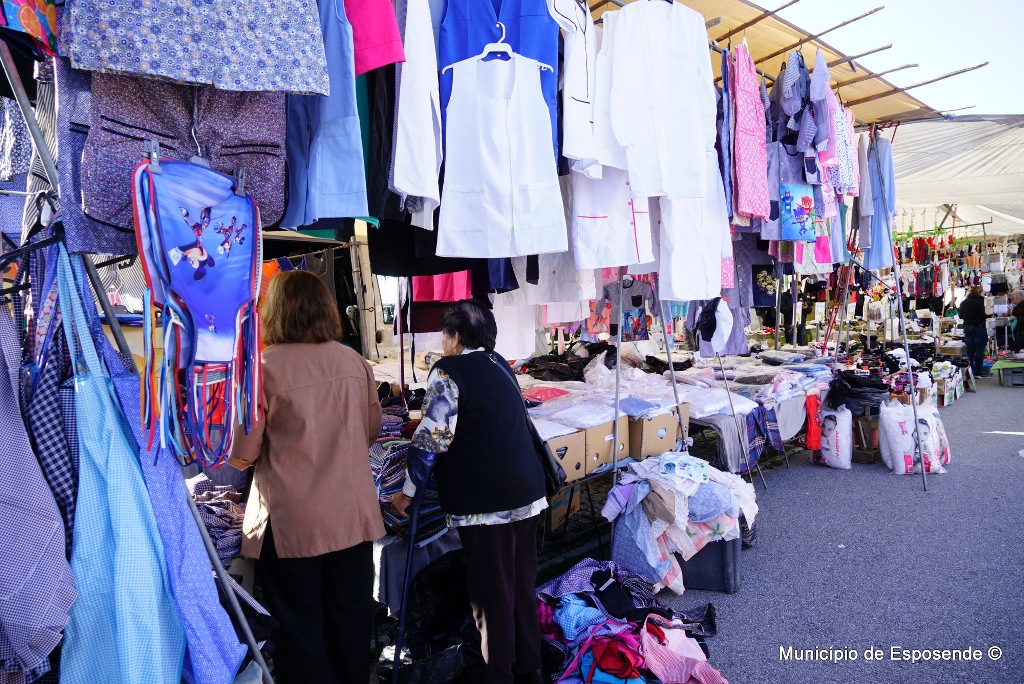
column 194, row 252
column 797, row 212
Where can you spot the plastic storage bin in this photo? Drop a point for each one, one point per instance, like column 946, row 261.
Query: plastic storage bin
column 716, row 567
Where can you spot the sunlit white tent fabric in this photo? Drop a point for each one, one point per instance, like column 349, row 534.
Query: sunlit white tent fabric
column 973, row 162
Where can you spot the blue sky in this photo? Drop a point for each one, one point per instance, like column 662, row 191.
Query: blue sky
column 939, row 35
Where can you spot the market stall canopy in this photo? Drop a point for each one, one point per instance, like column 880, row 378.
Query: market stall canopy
column 770, row 40
column 973, row 162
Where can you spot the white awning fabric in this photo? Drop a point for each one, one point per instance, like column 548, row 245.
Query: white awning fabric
column 973, row 162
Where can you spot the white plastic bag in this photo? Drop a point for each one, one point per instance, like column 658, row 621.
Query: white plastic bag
column 837, row 438
column 897, row 433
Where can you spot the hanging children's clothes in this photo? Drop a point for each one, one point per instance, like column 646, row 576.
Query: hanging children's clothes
column 663, row 98
column 636, row 295
column 501, row 193
column 326, row 171
column 578, row 79
column 529, row 30
column 750, row 156
column 883, row 192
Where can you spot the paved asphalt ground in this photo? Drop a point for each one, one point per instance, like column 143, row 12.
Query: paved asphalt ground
column 864, row 558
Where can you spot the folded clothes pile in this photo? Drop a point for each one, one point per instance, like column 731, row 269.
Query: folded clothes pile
column 674, row 504
column 222, row 511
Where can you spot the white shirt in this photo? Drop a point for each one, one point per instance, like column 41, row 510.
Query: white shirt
column 663, row 104
column 578, row 78
column 418, row 150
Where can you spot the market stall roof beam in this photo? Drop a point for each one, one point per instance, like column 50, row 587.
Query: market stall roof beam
column 813, row 37
column 744, row 26
column 897, row 91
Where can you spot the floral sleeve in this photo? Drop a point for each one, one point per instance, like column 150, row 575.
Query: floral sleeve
column 440, row 413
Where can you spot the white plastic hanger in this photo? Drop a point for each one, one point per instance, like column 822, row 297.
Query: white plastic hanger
column 501, row 47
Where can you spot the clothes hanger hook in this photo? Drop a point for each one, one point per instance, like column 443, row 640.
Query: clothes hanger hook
column 199, row 149
column 502, row 27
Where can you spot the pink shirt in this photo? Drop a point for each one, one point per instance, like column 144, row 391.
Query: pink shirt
column 374, row 34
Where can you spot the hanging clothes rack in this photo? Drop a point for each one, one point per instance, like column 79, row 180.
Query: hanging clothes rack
column 50, row 169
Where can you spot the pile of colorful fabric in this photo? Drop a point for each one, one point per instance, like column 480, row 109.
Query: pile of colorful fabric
column 222, row 511
column 674, row 504
column 387, row 464
column 608, row 627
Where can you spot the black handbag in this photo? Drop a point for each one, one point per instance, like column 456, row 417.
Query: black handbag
column 554, row 474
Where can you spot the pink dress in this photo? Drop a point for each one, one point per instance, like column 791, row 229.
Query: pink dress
column 750, row 156
column 374, row 34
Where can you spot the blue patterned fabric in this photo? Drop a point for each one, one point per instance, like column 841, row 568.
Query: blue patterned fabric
column 213, row 654
column 36, row 585
column 124, row 627
column 45, row 422
column 233, row 46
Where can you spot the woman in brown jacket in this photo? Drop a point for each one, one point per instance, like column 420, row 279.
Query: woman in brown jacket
column 313, row 514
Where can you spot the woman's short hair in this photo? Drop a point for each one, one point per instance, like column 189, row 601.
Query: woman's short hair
column 1017, row 296
column 299, row 309
column 977, row 289
column 473, row 322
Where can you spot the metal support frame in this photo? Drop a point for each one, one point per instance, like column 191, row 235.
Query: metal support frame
column 918, row 453
column 50, row 169
column 618, row 394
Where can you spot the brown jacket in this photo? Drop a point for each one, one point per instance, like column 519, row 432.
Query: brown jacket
column 311, row 449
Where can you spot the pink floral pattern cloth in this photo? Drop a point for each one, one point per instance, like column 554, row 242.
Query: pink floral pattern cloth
column 750, row 156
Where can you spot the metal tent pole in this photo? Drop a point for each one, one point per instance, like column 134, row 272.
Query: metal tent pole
column 50, row 168
column 672, row 371
column 778, row 312
column 618, row 394
column 918, row 452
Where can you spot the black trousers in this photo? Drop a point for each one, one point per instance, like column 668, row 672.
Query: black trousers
column 324, row 605
column 501, row 570
column 976, row 339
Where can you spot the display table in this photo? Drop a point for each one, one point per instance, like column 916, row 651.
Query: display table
column 1011, row 373
column 733, row 444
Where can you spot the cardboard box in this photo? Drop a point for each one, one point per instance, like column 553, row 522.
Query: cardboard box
column 923, row 395
column 599, row 443
column 561, row 507
column 656, row 435
column 946, row 391
column 571, row 453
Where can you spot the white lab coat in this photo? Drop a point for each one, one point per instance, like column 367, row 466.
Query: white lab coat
column 501, row 196
column 609, row 151
column 559, row 280
column 694, row 240
column 663, row 104
column 609, row 227
column 578, row 78
column 418, row 150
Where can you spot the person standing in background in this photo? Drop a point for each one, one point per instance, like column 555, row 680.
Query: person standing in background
column 491, row 483
column 313, row 515
column 972, row 311
column 1016, row 321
